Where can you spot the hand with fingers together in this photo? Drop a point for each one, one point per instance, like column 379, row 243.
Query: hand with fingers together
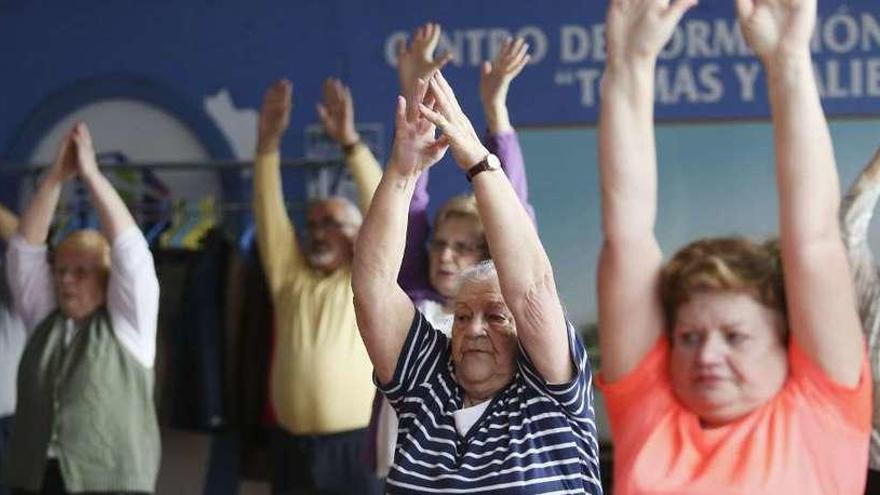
column 274, row 116
column 457, row 129
column 337, row 113
column 65, row 166
column 637, row 30
column 416, row 146
column 416, row 60
column 86, row 162
column 495, row 78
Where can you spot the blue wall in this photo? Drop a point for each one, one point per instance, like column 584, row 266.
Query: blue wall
column 715, row 177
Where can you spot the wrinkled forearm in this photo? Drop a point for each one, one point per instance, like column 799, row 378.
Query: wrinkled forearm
column 506, row 146
column 382, row 237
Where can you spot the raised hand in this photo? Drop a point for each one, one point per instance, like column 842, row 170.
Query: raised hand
column 85, row 151
column 777, row 27
column 416, row 60
column 64, row 167
column 337, row 113
column 457, row 129
column 274, row 116
column 637, row 30
column 495, row 76
column 415, row 146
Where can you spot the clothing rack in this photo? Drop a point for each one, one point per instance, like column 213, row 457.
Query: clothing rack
column 232, row 211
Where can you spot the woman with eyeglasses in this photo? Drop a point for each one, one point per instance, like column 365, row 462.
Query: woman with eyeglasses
column 85, row 420
column 430, row 269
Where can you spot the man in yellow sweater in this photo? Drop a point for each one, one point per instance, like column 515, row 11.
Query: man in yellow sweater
column 321, row 377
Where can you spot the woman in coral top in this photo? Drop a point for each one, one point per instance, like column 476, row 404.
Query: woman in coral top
column 722, row 376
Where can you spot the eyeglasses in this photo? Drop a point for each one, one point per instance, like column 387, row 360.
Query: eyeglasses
column 326, row 223
column 77, row 271
column 457, row 247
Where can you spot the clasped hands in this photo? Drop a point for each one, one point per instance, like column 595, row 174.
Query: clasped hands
column 75, row 156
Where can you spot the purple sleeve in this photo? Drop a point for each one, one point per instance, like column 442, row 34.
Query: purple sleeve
column 413, row 277
column 506, row 147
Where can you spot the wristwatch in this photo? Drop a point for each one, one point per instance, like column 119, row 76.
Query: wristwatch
column 491, row 162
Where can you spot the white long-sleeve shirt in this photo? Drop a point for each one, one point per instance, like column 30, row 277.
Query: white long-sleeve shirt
column 856, row 211
column 132, row 291
column 12, row 340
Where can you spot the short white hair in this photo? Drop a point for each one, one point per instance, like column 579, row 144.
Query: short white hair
column 483, row 271
column 353, row 214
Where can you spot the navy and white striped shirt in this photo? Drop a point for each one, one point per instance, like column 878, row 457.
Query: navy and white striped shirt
column 533, row 437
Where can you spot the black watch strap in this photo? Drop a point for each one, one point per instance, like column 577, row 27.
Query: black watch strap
column 348, row 149
column 476, row 169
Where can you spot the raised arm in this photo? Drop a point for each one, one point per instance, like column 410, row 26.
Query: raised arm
column 415, row 60
column 384, row 312
column 631, row 317
column 337, row 116
column 495, row 79
column 276, row 238
column 856, row 212
column 524, row 270
column 133, row 287
column 37, row 217
column 114, row 215
column 819, row 293
column 28, row 270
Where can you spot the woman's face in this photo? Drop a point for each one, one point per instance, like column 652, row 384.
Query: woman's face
column 728, row 357
column 484, row 345
column 80, row 281
column 456, row 245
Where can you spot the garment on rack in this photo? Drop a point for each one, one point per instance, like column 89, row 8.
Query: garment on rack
column 254, row 354
column 5, row 434
column 197, row 339
column 190, row 224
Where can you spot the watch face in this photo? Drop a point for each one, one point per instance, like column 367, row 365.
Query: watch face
column 493, row 162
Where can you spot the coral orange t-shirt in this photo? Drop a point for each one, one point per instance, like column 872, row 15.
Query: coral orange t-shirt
column 810, row 439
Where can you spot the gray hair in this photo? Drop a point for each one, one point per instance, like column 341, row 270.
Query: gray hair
column 353, row 214
column 483, row 271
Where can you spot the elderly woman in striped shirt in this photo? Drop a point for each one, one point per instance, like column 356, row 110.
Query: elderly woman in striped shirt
column 505, row 405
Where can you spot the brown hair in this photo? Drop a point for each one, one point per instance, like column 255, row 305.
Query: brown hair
column 463, row 206
column 723, row 264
